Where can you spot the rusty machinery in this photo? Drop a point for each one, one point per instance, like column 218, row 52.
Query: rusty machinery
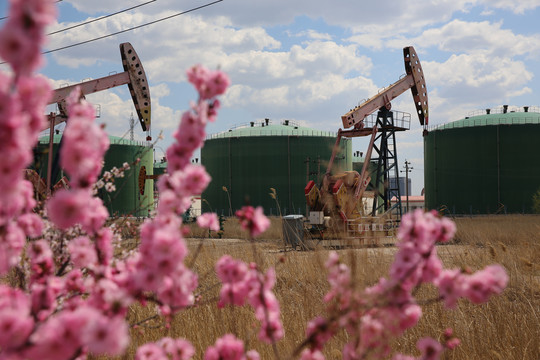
column 339, row 196
column 133, row 76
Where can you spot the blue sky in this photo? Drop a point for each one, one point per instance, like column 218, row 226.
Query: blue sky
column 307, row 61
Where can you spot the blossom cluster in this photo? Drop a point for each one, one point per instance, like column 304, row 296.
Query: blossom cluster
column 230, row 348
column 23, row 97
column 242, row 282
column 166, row 348
column 253, row 220
column 107, row 179
column 73, row 296
column 376, row 315
column 84, row 145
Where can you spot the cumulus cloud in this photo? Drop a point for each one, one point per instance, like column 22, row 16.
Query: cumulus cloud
column 518, row 7
column 491, row 39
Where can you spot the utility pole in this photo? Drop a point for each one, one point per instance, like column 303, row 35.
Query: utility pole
column 407, row 171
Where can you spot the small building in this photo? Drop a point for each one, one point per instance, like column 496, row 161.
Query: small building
column 415, row 202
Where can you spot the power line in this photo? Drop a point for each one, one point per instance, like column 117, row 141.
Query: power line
column 133, row 28
column 100, row 18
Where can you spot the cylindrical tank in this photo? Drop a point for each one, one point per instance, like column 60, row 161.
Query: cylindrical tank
column 127, row 200
column 484, row 164
column 247, row 161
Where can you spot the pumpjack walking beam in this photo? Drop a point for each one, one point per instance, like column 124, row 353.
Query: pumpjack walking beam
column 386, row 152
column 133, row 76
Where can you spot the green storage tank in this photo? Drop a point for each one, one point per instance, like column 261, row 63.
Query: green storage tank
column 484, row 164
column 128, row 199
column 246, row 161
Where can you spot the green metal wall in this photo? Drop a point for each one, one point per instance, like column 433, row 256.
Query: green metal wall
column 126, row 200
column 483, row 169
column 248, row 166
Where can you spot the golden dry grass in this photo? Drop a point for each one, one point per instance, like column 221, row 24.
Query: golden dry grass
column 508, row 327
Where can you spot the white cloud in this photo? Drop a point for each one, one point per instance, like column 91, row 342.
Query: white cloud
column 160, row 90
column 311, row 34
column 477, row 76
column 484, row 37
column 518, row 7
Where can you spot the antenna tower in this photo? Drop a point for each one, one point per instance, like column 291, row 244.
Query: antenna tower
column 131, row 127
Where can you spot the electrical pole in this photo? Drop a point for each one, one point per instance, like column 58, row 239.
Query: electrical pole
column 407, row 171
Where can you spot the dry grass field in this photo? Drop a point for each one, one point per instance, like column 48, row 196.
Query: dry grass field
column 508, row 327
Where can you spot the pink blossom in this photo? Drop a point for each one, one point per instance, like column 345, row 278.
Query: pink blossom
column 481, row 285
column 15, row 45
column 403, row 357
column 34, row 94
column 197, row 75
column 192, row 180
column 82, row 154
column 56, row 339
column 83, row 252
column 310, row 354
column 177, row 349
column 16, row 197
column 319, row 331
column 339, row 278
column 228, row 347
column 450, row 284
column 191, row 132
column 103, row 240
column 178, row 156
column 371, row 331
column 74, row 281
column 266, row 305
column 31, row 224
column 452, row 343
column 150, row 351
column 408, row 316
column 207, row 82
column 430, row 348
column 209, row 221
column 105, row 335
column 67, row 207
column 42, row 12
column 406, row 266
column 432, row 267
column 448, row 230
column 177, row 289
column 109, row 298
column 253, row 220
column 15, row 328
column 16, row 324
column 253, row 355
column 96, row 215
column 41, row 260
column 43, row 295
column 22, row 36
column 235, row 279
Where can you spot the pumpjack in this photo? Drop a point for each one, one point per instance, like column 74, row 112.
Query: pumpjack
column 133, row 76
column 338, row 200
